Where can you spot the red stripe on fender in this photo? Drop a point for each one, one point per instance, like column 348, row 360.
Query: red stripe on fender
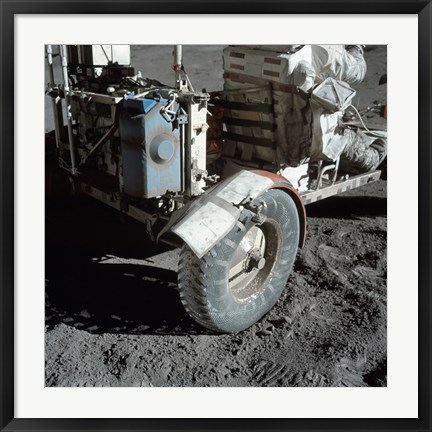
column 280, row 182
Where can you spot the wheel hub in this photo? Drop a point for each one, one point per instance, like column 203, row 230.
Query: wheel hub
column 254, row 260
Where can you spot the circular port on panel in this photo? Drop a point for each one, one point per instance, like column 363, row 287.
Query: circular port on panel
column 162, row 149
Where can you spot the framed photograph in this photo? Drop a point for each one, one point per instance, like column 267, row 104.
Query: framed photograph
column 194, row 202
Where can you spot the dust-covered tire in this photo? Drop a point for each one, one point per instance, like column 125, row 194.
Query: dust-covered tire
column 219, row 303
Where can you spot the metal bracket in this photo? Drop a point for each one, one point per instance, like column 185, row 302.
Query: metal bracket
column 108, row 135
column 168, row 113
column 322, row 170
column 257, row 210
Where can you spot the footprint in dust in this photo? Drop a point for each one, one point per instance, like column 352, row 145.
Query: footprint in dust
column 349, row 373
column 267, row 373
column 366, row 272
column 329, row 253
column 310, row 378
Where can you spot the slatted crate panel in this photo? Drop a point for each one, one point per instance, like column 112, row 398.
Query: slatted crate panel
column 290, row 122
column 264, row 64
column 246, row 68
column 249, row 125
column 254, row 97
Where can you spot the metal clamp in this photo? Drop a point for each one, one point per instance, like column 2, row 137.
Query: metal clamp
column 168, row 113
column 257, row 211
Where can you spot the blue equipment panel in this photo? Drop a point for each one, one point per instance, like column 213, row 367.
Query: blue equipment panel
column 150, row 149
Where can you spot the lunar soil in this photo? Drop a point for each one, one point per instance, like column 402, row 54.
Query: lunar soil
column 113, row 315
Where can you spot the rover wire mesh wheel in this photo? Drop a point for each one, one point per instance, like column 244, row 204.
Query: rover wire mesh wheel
column 241, row 278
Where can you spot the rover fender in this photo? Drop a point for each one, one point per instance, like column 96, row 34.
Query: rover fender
column 205, row 221
column 280, row 182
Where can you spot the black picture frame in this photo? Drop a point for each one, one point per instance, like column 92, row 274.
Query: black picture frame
column 10, row 8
